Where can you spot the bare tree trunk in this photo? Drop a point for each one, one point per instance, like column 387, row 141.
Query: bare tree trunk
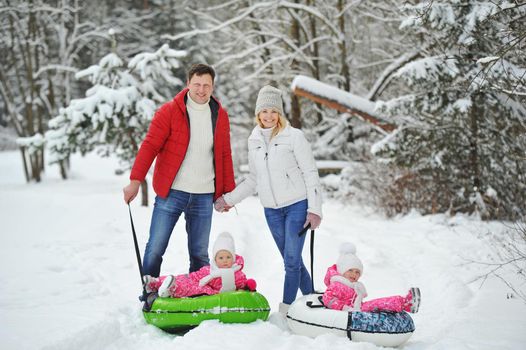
column 34, row 158
column 343, row 50
column 474, row 165
column 35, row 169
column 316, row 54
column 63, row 169
column 266, row 52
column 26, row 170
column 295, row 110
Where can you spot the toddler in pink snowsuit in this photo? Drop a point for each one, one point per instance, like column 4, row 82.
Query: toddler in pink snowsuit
column 223, row 275
column 344, row 292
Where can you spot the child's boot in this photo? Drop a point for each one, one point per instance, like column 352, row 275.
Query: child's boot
column 413, row 300
column 164, row 289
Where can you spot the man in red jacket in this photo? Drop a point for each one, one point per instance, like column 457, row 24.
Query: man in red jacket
column 190, row 137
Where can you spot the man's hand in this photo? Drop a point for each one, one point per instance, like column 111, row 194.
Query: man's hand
column 221, row 206
column 130, row 191
column 312, row 219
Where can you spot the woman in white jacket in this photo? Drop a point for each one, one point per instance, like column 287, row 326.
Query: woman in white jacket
column 284, row 174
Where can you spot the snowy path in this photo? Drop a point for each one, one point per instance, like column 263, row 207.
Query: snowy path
column 69, row 280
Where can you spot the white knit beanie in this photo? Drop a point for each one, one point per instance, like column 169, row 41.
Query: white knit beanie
column 269, row 97
column 224, row 241
column 347, row 259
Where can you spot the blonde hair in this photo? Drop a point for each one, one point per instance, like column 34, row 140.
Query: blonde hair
column 280, row 125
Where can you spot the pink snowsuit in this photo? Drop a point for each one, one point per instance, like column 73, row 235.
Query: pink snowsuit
column 340, row 294
column 187, row 285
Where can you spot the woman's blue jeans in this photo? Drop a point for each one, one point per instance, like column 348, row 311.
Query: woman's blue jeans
column 197, row 209
column 285, row 224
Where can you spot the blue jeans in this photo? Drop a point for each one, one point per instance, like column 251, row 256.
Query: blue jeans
column 284, row 224
column 197, row 209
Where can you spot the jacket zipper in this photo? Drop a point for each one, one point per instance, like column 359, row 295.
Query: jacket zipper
column 270, row 179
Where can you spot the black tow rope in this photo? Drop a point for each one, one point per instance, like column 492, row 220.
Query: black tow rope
column 301, row 233
column 138, row 254
column 321, row 305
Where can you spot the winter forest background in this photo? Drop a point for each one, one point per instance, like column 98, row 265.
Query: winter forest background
column 428, row 98
column 446, row 76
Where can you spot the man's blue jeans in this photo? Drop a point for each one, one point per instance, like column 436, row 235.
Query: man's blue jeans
column 197, row 209
column 285, row 224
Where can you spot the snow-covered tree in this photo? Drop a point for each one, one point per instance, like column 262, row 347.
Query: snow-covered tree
column 463, row 118
column 40, row 42
column 68, row 34
column 115, row 114
column 45, row 42
column 345, row 44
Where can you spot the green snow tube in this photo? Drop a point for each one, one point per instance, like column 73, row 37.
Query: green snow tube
column 178, row 314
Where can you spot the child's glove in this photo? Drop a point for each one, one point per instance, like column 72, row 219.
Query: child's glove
column 250, row 285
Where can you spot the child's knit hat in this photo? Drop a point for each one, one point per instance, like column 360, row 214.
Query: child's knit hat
column 224, row 241
column 347, row 259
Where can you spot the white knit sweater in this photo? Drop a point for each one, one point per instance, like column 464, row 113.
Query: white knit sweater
column 196, row 174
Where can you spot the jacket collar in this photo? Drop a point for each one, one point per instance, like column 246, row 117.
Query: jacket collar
column 180, row 100
column 256, row 134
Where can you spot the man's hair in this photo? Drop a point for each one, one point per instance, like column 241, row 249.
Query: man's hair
column 200, row 69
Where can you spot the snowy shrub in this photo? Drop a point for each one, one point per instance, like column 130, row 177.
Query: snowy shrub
column 513, row 254
column 508, row 261
column 395, row 190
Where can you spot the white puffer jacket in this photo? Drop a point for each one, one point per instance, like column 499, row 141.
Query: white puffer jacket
column 282, row 173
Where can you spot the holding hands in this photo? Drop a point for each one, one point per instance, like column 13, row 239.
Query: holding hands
column 221, row 206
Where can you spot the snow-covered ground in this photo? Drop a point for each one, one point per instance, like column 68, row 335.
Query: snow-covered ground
column 69, row 279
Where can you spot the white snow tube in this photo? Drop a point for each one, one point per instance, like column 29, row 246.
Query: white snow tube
column 307, row 316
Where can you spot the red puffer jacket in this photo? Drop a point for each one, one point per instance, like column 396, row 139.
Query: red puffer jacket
column 168, row 138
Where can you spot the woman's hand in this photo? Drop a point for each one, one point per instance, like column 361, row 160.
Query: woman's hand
column 221, row 206
column 312, row 219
